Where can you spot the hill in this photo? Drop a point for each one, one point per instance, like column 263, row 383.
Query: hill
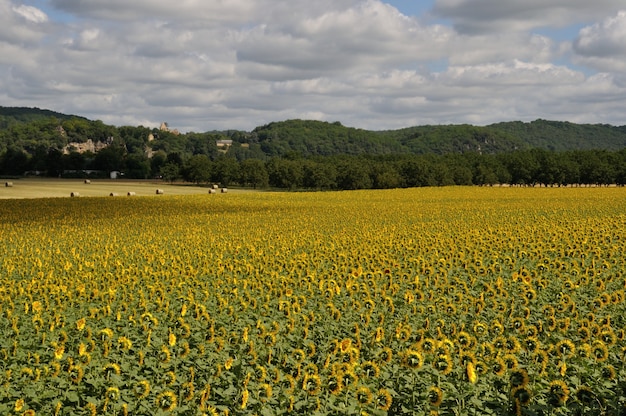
column 308, row 137
column 11, row 115
column 563, row 135
column 28, row 128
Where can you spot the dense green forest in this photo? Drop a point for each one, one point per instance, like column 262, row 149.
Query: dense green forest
column 304, row 154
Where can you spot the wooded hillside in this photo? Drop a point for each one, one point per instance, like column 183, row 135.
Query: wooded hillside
column 314, row 154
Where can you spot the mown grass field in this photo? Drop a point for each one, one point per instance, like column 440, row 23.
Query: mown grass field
column 447, row 301
column 62, row 188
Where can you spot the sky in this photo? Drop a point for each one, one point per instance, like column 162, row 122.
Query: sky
column 203, row 65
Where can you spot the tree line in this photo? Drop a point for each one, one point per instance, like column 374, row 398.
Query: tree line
column 337, row 172
column 306, row 154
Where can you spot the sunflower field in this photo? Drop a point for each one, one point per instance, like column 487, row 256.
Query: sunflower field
column 449, row 301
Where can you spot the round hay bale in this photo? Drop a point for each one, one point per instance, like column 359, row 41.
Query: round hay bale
column 74, row 194
column 113, row 194
column 8, row 184
column 224, row 190
column 212, row 191
column 132, row 193
column 87, row 181
column 215, row 186
column 160, row 192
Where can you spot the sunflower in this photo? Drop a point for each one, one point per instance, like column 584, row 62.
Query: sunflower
column 112, row 394
column 481, row 368
column 498, row 343
column 540, row 357
column 496, row 328
column 565, row 348
column 141, row 389
column 510, row 361
column 59, row 351
column 608, row 372
column 76, row 373
column 364, row 395
column 443, row 363
column 558, row 393
column 211, row 410
column 91, row 407
column 80, row 324
column 608, row 337
column 518, row 378
column 269, row 339
column 169, row 378
column 429, row 345
column 345, row 344
column 518, row 324
column 413, row 359
column 349, row 379
column 310, row 369
column 19, row 405
column 245, row 395
column 521, row 394
column 124, row 343
column 369, row 369
column 464, row 339
column 600, row 351
column 299, row 355
column 264, row 392
column 584, row 333
column 466, row 357
column 479, row 329
column 434, row 396
column 187, row 391
column 531, row 344
column 385, row 355
column 512, row 345
column 54, row 369
column 470, row 372
column 498, row 367
column 486, row 351
column 383, row 399
column 334, row 384
column 165, row 355
column 110, row 369
column 312, row 384
column 585, row 395
column 310, row 349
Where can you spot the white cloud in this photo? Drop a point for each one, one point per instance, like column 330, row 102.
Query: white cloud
column 603, row 45
column 476, row 16
column 204, row 65
column 20, row 24
column 30, row 13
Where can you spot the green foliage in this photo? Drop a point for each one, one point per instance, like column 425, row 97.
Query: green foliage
column 306, row 154
column 563, row 135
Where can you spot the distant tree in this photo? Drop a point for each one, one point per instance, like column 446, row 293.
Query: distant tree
column 176, row 158
column 157, row 161
column 110, row 158
column 13, row 162
column 170, row 171
column 353, row 174
column 137, row 166
column 319, row 174
column 252, row 172
column 54, row 162
column 226, row 171
column 385, row 175
column 74, row 161
column 285, row 173
column 198, row 169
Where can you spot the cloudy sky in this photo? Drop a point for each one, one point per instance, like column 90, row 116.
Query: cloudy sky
column 202, row 65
